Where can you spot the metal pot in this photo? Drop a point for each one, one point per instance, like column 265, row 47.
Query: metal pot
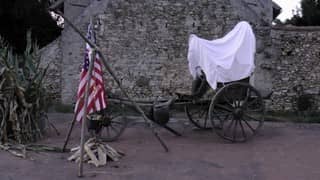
column 160, row 114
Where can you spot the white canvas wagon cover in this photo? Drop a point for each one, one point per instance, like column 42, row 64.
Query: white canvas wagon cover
column 230, row 58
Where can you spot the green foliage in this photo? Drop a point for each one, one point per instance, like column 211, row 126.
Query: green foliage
column 311, row 12
column 289, row 116
column 22, row 94
column 19, row 16
column 308, row 15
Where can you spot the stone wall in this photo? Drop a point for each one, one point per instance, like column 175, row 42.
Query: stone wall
column 259, row 13
column 146, row 41
column 72, row 46
column 51, row 56
column 297, row 64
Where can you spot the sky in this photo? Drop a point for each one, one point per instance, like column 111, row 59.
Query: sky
column 287, row 7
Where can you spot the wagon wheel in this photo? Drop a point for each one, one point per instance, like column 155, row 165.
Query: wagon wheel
column 197, row 113
column 237, row 112
column 3, row 133
column 113, row 123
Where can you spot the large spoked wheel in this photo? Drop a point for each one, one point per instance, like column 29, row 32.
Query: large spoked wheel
column 237, row 112
column 197, row 113
column 113, row 123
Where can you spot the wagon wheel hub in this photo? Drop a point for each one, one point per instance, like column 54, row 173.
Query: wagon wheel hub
column 238, row 113
column 106, row 121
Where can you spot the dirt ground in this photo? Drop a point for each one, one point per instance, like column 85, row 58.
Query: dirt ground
column 281, row 151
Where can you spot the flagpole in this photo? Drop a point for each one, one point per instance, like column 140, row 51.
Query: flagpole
column 84, row 117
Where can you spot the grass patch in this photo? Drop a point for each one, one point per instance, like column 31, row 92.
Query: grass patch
column 298, row 117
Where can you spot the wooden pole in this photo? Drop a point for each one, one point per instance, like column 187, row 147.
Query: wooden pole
column 84, row 117
column 108, row 68
column 69, row 134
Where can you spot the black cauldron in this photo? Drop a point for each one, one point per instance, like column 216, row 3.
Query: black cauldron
column 94, row 123
column 159, row 113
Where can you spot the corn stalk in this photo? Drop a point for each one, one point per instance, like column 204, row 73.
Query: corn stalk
column 22, row 94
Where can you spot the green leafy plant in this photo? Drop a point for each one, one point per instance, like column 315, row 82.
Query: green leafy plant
column 22, row 94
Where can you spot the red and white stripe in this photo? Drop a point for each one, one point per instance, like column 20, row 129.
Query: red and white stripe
column 96, row 99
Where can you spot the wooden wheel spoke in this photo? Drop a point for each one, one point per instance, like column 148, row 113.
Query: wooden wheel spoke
column 252, row 102
column 259, row 110
column 108, row 131
column 195, row 110
column 193, row 113
column 203, row 112
column 221, row 117
column 225, row 119
column 254, row 106
column 205, row 120
column 198, row 115
column 235, row 103
column 115, row 129
column 238, row 103
column 242, row 130
column 225, row 115
column 230, row 125
column 248, row 124
column 235, row 130
column 117, row 122
column 116, row 125
column 227, row 99
column 224, row 108
column 112, row 116
column 250, row 117
column 245, row 101
column 222, row 114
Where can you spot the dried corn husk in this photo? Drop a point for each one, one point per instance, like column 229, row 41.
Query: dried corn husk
column 22, row 94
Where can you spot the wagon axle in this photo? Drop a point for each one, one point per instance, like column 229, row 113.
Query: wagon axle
column 238, row 113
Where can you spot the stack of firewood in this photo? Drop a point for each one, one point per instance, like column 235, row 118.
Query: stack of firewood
column 96, row 153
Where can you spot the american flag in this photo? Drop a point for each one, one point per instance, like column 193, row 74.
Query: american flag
column 96, row 100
